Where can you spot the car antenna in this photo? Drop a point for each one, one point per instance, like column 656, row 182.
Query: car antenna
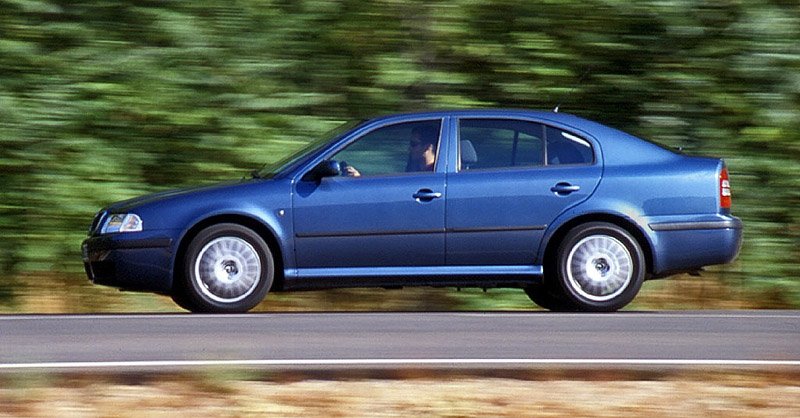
column 571, row 90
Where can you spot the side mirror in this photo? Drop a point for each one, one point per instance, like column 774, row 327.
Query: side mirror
column 328, row 168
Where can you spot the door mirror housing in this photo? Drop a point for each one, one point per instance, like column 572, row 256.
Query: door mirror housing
column 327, row 168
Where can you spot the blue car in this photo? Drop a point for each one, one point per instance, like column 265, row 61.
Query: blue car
column 575, row 213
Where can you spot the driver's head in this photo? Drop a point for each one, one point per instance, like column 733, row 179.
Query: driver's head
column 422, row 137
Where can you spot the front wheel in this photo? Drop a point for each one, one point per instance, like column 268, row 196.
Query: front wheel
column 600, row 267
column 545, row 297
column 227, row 268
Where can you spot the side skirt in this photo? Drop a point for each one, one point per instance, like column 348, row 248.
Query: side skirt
column 448, row 276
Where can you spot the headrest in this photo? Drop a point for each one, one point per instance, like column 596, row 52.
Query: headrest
column 468, row 154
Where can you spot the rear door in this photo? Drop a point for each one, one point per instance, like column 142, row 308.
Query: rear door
column 514, row 178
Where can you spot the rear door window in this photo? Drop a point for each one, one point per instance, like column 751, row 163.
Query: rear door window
column 499, row 143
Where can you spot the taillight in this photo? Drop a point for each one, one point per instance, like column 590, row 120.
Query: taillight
column 724, row 189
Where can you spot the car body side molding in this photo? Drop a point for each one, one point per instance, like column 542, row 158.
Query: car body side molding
column 735, row 223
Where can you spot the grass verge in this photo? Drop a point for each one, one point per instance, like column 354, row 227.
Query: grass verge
column 403, row 393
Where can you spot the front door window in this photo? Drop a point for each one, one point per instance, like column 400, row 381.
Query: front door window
column 401, row 148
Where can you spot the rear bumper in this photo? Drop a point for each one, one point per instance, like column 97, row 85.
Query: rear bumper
column 681, row 245
column 131, row 261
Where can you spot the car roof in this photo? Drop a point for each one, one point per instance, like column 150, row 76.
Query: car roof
column 561, row 118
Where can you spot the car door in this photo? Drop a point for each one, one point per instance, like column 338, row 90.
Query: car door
column 391, row 214
column 514, row 178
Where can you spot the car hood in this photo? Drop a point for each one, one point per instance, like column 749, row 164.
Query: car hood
column 131, row 204
column 257, row 199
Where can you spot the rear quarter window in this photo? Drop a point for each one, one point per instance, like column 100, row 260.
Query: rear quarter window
column 566, row 148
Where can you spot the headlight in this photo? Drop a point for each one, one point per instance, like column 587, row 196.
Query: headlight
column 122, row 222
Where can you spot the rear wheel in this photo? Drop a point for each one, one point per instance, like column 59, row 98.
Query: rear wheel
column 600, row 267
column 227, row 268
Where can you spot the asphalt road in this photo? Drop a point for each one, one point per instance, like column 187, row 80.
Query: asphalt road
column 510, row 339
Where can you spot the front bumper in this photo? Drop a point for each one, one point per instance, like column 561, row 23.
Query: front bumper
column 131, row 261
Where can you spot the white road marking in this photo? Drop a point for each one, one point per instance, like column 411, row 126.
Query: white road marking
column 396, row 362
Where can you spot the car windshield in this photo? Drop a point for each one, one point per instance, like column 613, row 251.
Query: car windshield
column 270, row 170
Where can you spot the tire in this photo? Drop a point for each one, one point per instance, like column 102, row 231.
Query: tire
column 600, row 267
column 228, row 268
column 180, row 298
column 543, row 296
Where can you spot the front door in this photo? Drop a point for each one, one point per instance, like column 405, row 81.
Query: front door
column 385, row 210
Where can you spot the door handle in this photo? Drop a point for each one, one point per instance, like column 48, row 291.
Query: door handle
column 426, row 195
column 564, row 188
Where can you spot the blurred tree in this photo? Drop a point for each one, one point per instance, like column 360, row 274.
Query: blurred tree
column 101, row 101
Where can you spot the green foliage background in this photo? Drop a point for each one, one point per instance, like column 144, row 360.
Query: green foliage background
column 104, row 100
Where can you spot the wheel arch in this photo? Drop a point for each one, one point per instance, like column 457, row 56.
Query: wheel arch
column 264, row 231
column 628, row 225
